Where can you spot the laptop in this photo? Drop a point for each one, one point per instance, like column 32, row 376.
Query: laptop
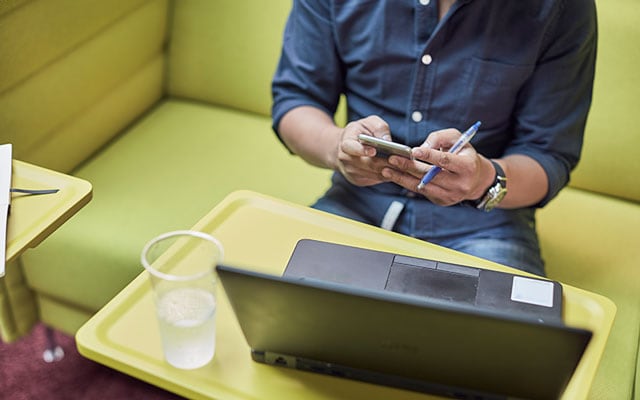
column 421, row 343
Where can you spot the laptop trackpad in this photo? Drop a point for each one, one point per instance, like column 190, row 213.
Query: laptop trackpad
column 432, row 283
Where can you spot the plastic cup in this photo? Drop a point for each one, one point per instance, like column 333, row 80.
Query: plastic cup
column 181, row 266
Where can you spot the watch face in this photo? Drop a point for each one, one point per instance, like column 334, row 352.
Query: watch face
column 497, row 194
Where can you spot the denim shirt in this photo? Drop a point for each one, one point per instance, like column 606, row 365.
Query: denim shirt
column 523, row 68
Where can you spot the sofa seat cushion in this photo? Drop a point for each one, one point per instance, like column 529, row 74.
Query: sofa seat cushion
column 164, row 173
column 591, row 241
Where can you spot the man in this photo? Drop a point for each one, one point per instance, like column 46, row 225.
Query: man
column 420, row 71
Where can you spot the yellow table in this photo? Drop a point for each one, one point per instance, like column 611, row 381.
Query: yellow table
column 34, row 217
column 259, row 233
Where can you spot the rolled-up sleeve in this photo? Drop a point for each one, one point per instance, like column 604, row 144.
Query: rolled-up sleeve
column 552, row 107
column 309, row 71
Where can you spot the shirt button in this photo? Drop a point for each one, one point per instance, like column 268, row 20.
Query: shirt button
column 425, row 2
column 427, row 59
column 416, row 116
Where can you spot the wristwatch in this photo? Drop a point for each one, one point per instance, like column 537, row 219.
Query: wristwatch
column 496, row 192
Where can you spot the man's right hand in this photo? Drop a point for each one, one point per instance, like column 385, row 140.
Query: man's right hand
column 357, row 162
column 313, row 135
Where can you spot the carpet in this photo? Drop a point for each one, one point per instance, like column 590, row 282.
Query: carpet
column 24, row 375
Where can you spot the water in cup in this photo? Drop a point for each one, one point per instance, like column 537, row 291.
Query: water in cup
column 187, row 321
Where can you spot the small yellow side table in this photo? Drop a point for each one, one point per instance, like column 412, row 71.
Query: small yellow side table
column 34, row 217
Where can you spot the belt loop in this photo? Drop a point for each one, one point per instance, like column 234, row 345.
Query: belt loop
column 391, row 216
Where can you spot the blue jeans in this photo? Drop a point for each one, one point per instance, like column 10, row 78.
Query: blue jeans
column 498, row 244
column 520, row 255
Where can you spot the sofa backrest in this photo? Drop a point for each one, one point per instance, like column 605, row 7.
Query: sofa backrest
column 610, row 161
column 224, row 52
column 75, row 73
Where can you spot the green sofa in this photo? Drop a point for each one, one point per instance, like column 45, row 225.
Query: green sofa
column 164, row 107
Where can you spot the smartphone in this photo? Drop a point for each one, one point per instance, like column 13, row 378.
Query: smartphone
column 385, row 148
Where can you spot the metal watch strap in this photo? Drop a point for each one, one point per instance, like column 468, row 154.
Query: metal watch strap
column 496, row 192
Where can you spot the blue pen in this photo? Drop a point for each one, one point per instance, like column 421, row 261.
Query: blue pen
column 459, row 144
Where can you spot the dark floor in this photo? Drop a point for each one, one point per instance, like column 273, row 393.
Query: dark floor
column 24, row 375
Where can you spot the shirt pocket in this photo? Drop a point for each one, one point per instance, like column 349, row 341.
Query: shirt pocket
column 491, row 91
